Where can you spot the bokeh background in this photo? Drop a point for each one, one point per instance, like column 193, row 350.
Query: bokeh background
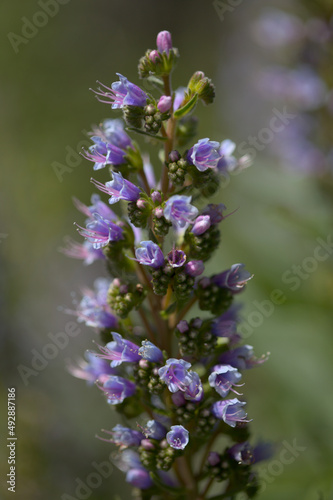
column 46, row 108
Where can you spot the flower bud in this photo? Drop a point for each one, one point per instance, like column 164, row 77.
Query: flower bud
column 164, row 103
column 164, row 41
column 154, row 56
column 195, row 267
column 201, row 224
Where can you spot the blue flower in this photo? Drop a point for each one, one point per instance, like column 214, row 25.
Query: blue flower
column 230, row 411
column 215, row 212
column 178, row 437
column 179, row 211
column 139, row 478
column 119, row 189
column 117, row 389
column 175, row 374
column 204, row 154
column 84, row 251
column 101, row 231
column 120, row 350
column 150, row 254
column 242, row 453
column 155, row 430
column 242, row 357
column 227, row 162
column 234, row 278
column 222, row 378
column 150, row 352
column 176, row 258
column 124, row 436
column 94, row 369
column 112, row 131
column 93, row 308
column 122, row 93
column 194, row 390
column 103, row 154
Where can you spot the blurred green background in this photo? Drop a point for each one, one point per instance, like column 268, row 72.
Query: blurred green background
column 45, row 107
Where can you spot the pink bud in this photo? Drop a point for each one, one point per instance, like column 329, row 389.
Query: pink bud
column 141, row 204
column 154, row 56
column 164, row 104
column 201, row 224
column 158, row 212
column 164, row 41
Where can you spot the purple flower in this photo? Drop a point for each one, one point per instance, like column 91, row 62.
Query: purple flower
column 104, row 154
column 194, row 390
column 117, row 389
column 178, row 437
column 124, row 436
column 101, row 231
column 234, row 278
column 94, row 369
column 122, row 93
column 120, row 350
column 150, row 352
column 113, row 132
column 176, row 258
column 179, row 211
column 94, row 309
column 242, row 358
column 164, row 103
column 150, row 254
column 215, row 212
column 230, row 411
column 155, row 430
column 139, row 478
column 222, row 378
column 179, row 97
column 227, row 162
column 242, row 453
column 84, row 251
column 201, row 224
column 164, row 42
column 97, row 206
column 226, row 328
column 119, row 189
column 194, row 268
column 175, row 374
column 204, row 154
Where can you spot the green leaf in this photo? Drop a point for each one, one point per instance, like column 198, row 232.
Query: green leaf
column 187, row 108
column 142, row 132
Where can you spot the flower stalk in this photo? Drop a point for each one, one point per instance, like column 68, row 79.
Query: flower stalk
column 172, row 375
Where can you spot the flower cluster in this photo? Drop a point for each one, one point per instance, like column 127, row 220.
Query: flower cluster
column 302, row 83
column 174, row 375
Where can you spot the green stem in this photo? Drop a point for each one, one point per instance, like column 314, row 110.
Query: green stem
column 170, row 134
